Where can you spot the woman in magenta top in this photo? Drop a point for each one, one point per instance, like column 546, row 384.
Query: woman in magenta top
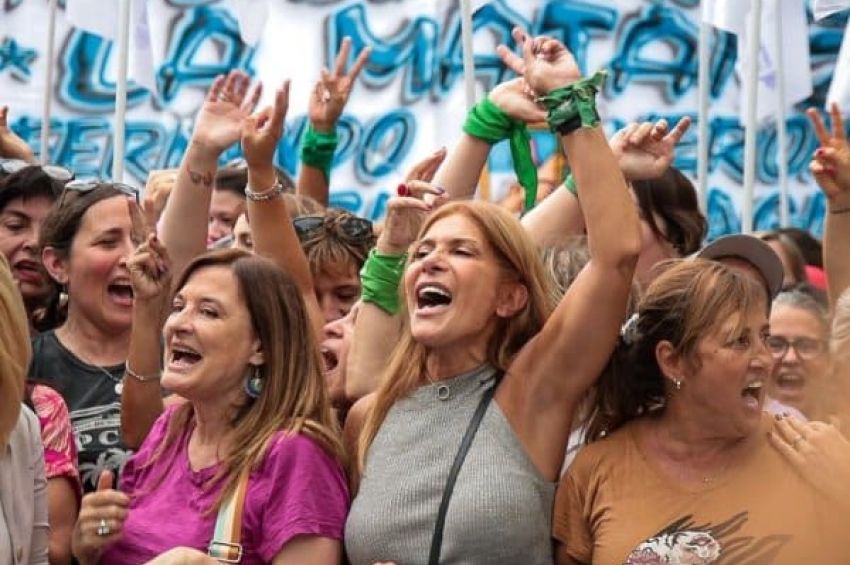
column 239, row 348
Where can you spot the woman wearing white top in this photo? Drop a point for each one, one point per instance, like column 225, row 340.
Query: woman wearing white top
column 23, row 487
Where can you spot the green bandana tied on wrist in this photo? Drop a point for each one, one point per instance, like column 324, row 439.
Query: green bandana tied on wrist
column 379, row 280
column 488, row 122
column 317, row 150
column 574, row 106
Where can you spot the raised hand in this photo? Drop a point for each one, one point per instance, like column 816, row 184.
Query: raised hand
column 331, row 92
column 158, row 188
column 228, row 103
column 405, row 214
column 517, row 100
column 546, row 63
column 149, row 266
column 644, row 151
column 424, row 171
column 262, row 131
column 100, row 521
column 831, row 162
column 11, row 145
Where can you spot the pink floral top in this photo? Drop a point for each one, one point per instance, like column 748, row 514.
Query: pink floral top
column 60, row 449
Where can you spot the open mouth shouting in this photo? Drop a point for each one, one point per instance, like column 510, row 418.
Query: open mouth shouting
column 752, row 394
column 121, row 292
column 183, row 358
column 432, row 298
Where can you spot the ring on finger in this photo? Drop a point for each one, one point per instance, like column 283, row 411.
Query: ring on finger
column 103, row 528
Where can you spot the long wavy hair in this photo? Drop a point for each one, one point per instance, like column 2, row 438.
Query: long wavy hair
column 518, row 260
column 293, row 397
column 15, row 351
column 688, row 300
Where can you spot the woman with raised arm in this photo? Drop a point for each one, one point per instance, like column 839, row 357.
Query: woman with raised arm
column 251, row 466
column 478, row 326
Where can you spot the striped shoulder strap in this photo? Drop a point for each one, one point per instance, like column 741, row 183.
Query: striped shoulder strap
column 226, row 546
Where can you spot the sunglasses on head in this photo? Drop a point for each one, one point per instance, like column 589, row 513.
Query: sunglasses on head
column 350, row 228
column 85, row 186
column 55, row 172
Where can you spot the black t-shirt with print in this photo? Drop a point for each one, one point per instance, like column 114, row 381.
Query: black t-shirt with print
column 93, row 396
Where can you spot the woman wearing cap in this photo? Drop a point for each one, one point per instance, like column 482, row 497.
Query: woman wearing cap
column 679, row 468
column 461, row 335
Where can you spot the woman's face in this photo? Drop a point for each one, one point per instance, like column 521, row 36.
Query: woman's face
column 337, row 289
column 335, row 347
column 210, row 343
column 95, row 270
column 20, row 223
column 794, row 374
column 456, row 288
column 726, row 388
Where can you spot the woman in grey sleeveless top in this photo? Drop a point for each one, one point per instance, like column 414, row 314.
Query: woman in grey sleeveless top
column 474, row 301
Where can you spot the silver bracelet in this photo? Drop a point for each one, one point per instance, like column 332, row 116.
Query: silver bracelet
column 141, row 378
column 276, row 190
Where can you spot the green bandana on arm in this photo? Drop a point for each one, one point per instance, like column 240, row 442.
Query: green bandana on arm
column 489, row 123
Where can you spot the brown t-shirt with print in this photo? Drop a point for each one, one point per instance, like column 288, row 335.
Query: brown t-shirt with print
column 615, row 507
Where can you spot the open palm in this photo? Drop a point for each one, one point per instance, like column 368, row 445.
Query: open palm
column 645, row 151
column 219, row 122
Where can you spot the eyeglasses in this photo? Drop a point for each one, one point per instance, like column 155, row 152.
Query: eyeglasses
column 806, row 348
column 55, row 172
column 349, row 228
column 88, row 185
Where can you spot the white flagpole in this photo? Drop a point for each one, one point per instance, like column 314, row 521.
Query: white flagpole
column 468, row 55
column 751, row 126
column 703, row 141
column 48, row 83
column 781, row 126
column 121, row 89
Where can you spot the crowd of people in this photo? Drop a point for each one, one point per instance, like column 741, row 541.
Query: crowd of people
column 224, row 369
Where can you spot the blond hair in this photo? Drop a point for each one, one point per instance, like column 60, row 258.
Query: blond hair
column 15, row 352
column 519, row 260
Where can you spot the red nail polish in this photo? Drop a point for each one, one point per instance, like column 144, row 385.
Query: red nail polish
column 819, row 152
column 402, row 190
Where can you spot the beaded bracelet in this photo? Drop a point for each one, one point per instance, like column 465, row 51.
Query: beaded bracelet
column 274, row 192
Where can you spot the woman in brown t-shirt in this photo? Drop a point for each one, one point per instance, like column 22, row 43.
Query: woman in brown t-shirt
column 685, row 472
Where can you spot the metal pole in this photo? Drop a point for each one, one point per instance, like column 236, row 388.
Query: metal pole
column 468, row 55
column 703, row 96
column 751, row 126
column 781, row 126
column 121, row 90
column 48, row 83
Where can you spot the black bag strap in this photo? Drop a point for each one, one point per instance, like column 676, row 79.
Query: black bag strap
column 468, row 436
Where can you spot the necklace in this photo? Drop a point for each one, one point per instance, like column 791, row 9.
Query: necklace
column 119, row 382
column 443, row 390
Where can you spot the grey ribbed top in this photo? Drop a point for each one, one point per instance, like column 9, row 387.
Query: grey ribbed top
column 501, row 509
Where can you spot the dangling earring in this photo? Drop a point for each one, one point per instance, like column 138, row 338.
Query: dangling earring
column 254, row 383
column 678, row 383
